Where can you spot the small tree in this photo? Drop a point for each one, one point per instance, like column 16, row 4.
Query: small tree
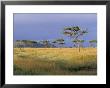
column 81, row 42
column 46, row 43
column 93, row 43
column 25, row 43
column 78, row 43
column 19, row 44
column 54, row 43
column 60, row 42
column 33, row 43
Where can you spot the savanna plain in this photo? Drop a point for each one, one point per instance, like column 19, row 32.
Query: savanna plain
column 55, row 61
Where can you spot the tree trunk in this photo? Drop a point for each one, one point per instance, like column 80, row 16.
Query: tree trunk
column 79, row 47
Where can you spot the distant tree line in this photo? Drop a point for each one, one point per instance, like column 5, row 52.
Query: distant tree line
column 75, row 34
column 32, row 44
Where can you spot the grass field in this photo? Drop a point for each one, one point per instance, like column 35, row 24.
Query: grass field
column 55, row 61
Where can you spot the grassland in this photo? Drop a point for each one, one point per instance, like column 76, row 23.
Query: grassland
column 55, row 61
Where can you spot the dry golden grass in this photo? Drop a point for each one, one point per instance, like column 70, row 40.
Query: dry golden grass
column 55, row 61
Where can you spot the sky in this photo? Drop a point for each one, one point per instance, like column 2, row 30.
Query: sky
column 49, row 26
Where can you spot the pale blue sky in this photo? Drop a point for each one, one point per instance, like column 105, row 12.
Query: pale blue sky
column 49, row 26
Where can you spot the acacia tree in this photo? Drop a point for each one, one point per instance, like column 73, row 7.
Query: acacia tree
column 25, row 43
column 75, row 33
column 93, row 43
column 60, row 42
column 33, row 43
column 54, row 43
column 81, row 43
column 19, row 44
column 46, row 43
column 30, row 43
column 78, row 43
